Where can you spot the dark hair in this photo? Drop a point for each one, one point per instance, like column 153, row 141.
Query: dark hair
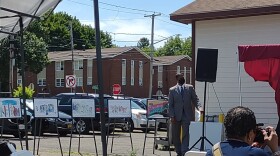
column 178, row 75
column 239, row 121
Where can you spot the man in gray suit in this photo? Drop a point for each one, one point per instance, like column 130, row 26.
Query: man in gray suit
column 182, row 98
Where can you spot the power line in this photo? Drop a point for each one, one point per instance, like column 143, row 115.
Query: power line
column 173, row 23
column 122, row 7
column 118, row 6
column 104, row 8
column 127, row 33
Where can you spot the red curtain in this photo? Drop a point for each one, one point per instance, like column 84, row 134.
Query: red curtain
column 262, row 62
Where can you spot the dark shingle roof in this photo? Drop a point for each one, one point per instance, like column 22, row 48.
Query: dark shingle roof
column 168, row 60
column 90, row 53
column 211, row 9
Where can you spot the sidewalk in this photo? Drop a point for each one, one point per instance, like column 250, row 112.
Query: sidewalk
column 49, row 145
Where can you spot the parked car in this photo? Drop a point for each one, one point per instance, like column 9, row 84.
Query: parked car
column 15, row 126
column 48, row 125
column 83, row 125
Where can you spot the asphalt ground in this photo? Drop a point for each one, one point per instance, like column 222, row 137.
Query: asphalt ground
column 49, row 144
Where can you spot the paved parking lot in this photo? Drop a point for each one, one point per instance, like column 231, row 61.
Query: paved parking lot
column 49, row 144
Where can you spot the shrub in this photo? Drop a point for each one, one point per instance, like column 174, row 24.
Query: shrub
column 28, row 92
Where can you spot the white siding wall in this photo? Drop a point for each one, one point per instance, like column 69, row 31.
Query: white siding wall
column 226, row 35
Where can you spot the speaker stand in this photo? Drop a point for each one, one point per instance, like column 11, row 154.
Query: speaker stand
column 203, row 137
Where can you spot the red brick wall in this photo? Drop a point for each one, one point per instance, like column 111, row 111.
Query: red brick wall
column 112, row 69
column 169, row 72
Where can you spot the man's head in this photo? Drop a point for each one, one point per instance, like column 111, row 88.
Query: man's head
column 180, row 78
column 239, row 121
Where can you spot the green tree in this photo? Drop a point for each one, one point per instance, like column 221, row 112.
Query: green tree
column 143, row 43
column 55, row 30
column 36, row 55
column 4, row 64
column 175, row 46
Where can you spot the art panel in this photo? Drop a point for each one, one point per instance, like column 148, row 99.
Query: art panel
column 45, row 108
column 10, row 108
column 157, row 107
column 83, row 108
column 119, row 108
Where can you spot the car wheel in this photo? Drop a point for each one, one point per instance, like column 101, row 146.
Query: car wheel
column 82, row 127
column 22, row 135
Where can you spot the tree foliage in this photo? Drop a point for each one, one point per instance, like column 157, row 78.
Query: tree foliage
column 4, row 64
column 175, row 46
column 143, row 43
column 36, row 55
column 55, row 30
column 28, row 92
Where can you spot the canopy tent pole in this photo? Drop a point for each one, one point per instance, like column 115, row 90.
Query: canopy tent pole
column 23, row 81
column 5, row 32
column 19, row 13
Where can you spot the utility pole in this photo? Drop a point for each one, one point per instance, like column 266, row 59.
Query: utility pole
column 152, row 52
column 72, row 49
column 100, row 76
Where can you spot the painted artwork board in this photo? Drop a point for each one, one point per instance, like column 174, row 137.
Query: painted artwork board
column 45, row 108
column 83, row 108
column 156, row 107
column 10, row 108
column 119, row 108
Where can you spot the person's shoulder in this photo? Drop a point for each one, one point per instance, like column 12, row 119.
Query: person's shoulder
column 209, row 152
column 189, row 85
column 258, row 151
column 172, row 88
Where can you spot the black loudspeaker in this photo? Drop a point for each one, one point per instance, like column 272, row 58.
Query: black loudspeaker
column 206, row 64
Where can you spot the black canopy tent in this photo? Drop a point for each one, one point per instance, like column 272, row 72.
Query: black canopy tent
column 14, row 17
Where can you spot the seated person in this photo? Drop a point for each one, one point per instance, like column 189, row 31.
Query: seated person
column 240, row 127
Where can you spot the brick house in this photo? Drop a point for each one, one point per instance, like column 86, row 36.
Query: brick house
column 127, row 66
column 165, row 69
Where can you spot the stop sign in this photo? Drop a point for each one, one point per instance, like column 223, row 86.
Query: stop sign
column 116, row 89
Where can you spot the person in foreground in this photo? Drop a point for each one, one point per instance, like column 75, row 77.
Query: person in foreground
column 182, row 99
column 241, row 127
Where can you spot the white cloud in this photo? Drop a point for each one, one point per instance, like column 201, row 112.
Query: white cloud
column 136, row 26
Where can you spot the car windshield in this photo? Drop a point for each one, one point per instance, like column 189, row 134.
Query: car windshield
column 134, row 105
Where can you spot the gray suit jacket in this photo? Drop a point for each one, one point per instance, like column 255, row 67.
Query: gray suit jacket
column 178, row 103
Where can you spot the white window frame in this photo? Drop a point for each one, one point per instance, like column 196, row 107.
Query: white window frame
column 78, row 64
column 59, row 65
column 59, row 82
column 185, row 72
column 42, row 82
column 178, row 69
column 79, row 81
column 160, row 68
column 89, row 63
column 19, row 82
column 123, row 72
column 132, row 73
column 89, row 81
column 140, row 73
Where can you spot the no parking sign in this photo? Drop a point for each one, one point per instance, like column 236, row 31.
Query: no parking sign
column 70, row 81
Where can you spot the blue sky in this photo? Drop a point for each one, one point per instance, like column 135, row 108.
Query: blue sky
column 125, row 21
